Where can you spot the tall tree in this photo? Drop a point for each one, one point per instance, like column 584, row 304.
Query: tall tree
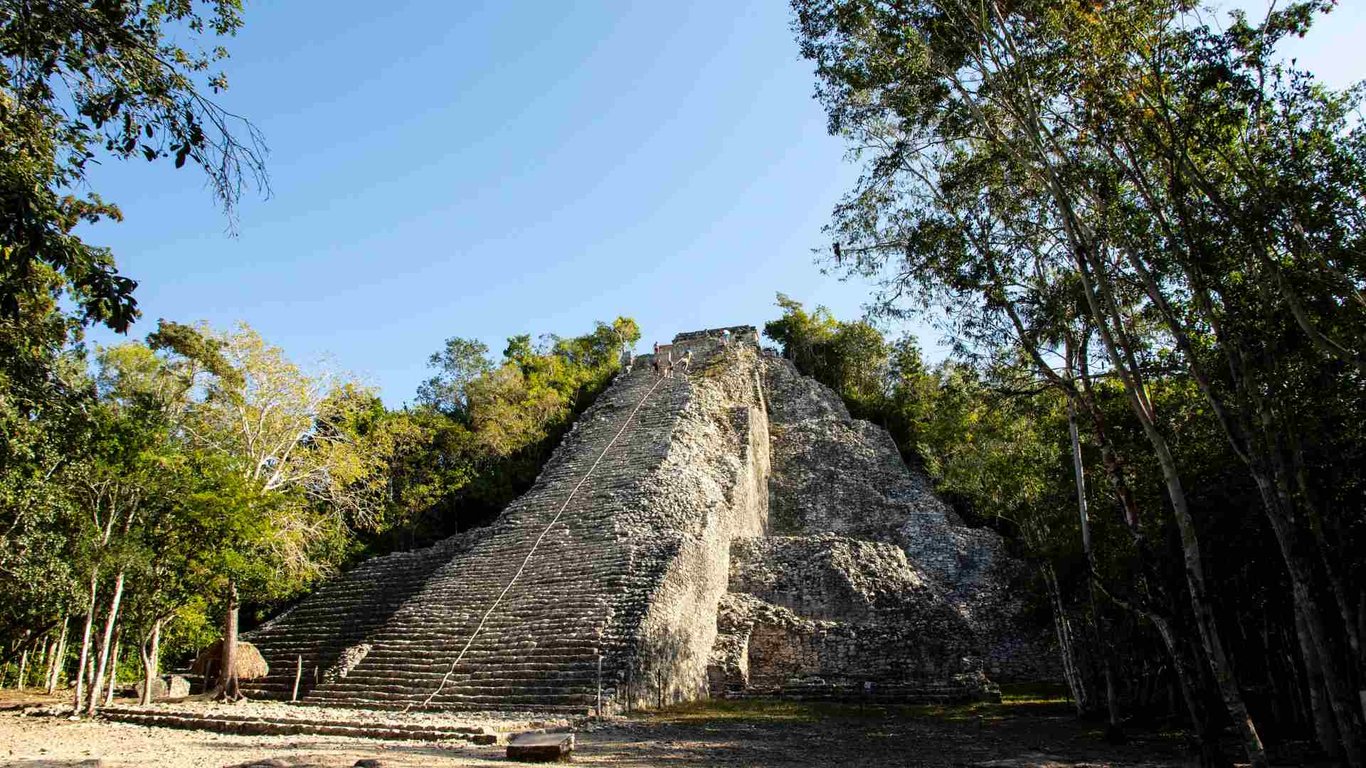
column 80, row 82
column 1109, row 176
column 288, row 477
column 460, row 362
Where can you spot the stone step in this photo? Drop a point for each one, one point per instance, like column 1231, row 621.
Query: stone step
column 415, row 704
column 258, row 726
column 480, row 672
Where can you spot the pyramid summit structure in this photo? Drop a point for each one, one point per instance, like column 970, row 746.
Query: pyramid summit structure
column 728, row 531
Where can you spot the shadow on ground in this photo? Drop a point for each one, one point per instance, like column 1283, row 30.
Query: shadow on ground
column 1018, row 733
column 1029, row 731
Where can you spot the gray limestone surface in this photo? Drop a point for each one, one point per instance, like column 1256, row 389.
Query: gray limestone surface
column 833, row 474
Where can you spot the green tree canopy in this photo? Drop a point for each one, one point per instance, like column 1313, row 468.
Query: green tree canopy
column 123, row 79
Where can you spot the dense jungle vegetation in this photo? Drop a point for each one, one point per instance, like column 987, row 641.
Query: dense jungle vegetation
column 150, row 489
column 177, row 478
column 1142, row 233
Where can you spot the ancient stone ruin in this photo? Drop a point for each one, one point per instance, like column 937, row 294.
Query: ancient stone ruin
column 742, row 536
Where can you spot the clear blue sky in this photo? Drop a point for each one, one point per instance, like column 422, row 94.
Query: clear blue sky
column 489, row 169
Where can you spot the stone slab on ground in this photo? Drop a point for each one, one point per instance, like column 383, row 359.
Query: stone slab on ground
column 293, row 763
column 259, row 718
column 1035, row 760
column 276, row 763
column 541, row 747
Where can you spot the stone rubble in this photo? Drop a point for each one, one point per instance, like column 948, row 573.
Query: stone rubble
column 166, row 687
column 858, row 518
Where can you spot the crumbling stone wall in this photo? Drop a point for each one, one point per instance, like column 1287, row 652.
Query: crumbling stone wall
column 739, row 334
column 832, row 474
column 711, row 488
column 839, row 614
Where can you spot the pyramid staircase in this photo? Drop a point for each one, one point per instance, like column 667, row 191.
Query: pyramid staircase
column 386, row 634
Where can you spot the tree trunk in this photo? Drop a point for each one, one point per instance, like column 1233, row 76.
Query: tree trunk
column 1205, row 622
column 1267, row 465
column 50, row 659
column 39, row 655
column 227, row 672
column 1325, row 725
column 23, row 669
column 114, row 666
column 90, row 665
column 1288, row 514
column 1291, row 516
column 1210, row 637
column 1187, row 669
column 1343, row 701
column 109, row 620
column 41, row 652
column 150, row 650
column 1113, row 731
column 50, row 663
column 1069, row 664
column 85, row 645
column 54, row 678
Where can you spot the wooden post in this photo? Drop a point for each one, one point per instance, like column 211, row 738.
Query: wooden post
column 298, row 673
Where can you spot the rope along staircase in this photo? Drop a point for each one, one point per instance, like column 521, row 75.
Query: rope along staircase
column 513, row 581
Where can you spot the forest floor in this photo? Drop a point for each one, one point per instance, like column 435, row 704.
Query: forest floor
column 1019, row 732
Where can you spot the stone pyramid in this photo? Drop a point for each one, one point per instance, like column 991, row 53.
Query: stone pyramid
column 741, row 535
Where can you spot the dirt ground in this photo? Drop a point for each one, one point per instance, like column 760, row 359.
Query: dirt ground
column 1012, row 735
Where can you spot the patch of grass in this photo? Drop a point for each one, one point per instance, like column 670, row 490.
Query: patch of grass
column 1034, row 693
column 1020, row 700
column 742, row 710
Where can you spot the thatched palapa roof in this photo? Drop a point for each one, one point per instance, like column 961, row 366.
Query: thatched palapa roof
column 249, row 662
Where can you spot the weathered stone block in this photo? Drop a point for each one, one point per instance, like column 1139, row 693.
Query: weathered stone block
column 171, row 687
column 541, row 747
